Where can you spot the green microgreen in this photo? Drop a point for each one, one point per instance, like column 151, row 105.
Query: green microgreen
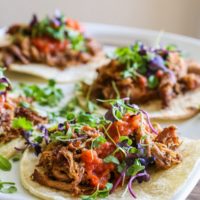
column 97, row 141
column 99, row 193
column 111, row 159
column 135, row 168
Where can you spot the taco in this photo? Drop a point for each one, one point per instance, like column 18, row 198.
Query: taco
column 52, row 48
column 160, row 80
column 15, row 119
column 94, row 156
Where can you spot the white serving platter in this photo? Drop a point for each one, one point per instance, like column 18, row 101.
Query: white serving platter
column 111, row 36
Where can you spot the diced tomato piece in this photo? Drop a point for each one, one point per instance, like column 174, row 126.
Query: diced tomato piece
column 124, row 127
column 105, row 149
column 159, row 73
column 142, row 81
column 48, row 45
column 74, row 25
column 98, row 172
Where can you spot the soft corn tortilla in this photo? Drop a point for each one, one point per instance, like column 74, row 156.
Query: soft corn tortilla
column 8, row 150
column 69, row 74
column 181, row 107
column 163, row 184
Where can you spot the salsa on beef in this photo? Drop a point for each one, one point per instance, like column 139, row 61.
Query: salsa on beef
column 56, row 41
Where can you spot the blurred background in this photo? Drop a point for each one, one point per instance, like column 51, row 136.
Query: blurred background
column 176, row 16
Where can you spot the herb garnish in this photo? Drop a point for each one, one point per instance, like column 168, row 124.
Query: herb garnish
column 58, row 29
column 153, row 82
column 17, row 157
column 97, row 141
column 22, row 123
column 135, row 168
column 133, row 60
column 7, row 187
column 144, row 62
column 49, row 95
column 5, row 164
column 111, row 159
column 99, row 193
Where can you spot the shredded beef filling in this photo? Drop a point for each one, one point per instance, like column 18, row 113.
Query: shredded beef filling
column 75, row 168
column 9, row 113
column 25, row 49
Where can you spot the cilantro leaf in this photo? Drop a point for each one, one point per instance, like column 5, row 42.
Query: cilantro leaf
column 5, row 164
column 49, row 95
column 7, row 187
column 22, row 123
column 153, row 82
column 171, row 47
column 76, row 39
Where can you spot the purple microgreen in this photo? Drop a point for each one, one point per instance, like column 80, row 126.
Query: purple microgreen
column 45, row 132
column 33, row 21
column 34, row 144
column 61, row 126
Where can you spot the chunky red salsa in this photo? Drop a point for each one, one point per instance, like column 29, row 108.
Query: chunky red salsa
column 124, row 127
column 98, row 172
column 49, row 45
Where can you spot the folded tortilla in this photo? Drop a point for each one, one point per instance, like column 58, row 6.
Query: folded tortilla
column 69, row 74
column 164, row 184
column 8, row 150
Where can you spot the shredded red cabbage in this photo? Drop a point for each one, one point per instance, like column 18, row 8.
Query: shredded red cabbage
column 143, row 174
column 149, row 122
column 119, row 180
